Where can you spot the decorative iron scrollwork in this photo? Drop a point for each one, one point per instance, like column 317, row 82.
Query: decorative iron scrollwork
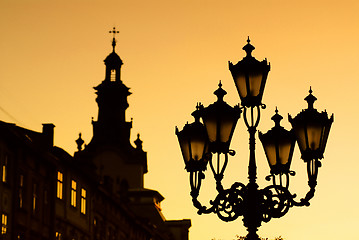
column 276, row 202
column 229, row 203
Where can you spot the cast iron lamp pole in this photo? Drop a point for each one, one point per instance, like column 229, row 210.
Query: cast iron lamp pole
column 198, row 142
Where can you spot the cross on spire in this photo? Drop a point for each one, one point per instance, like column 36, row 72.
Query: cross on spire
column 114, row 40
column 114, row 32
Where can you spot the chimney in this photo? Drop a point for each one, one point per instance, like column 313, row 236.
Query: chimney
column 48, row 133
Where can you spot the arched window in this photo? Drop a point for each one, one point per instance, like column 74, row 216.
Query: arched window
column 113, row 75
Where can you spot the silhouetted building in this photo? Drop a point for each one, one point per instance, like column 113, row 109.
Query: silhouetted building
column 97, row 194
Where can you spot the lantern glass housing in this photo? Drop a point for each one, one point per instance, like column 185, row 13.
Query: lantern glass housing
column 312, row 130
column 193, row 142
column 250, row 76
column 278, row 144
column 220, row 120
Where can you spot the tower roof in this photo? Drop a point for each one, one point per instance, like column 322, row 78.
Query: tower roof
column 113, row 59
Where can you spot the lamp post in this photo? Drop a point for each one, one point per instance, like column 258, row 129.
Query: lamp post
column 199, row 142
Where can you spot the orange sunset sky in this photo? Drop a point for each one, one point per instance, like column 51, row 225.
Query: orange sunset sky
column 175, row 53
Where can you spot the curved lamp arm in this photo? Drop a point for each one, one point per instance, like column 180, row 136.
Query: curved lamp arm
column 218, row 170
column 312, row 169
column 195, row 182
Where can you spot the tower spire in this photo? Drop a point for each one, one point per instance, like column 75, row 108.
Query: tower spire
column 114, row 39
column 111, row 125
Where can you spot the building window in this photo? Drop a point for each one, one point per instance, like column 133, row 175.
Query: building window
column 60, row 181
column 4, row 169
column 83, row 201
column 113, row 75
column 73, row 193
column 34, row 198
column 58, row 236
column 3, row 224
column 21, row 190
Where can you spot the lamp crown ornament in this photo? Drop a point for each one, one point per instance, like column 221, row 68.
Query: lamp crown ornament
column 276, row 117
column 310, row 99
column 248, row 48
column 220, row 92
column 196, row 113
column 198, row 142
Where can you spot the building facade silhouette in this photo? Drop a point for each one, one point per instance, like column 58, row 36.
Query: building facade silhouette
column 96, row 194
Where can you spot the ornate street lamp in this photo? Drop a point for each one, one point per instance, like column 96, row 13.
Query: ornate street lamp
column 278, row 145
column 194, row 143
column 250, row 77
column 199, row 141
column 193, row 140
column 312, row 130
column 220, row 120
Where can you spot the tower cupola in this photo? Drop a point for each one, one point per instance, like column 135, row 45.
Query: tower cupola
column 113, row 62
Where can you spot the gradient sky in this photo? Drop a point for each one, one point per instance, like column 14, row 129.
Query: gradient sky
column 175, row 53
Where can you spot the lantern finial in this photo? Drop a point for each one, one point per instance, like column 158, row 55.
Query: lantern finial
column 277, row 118
column 196, row 113
column 310, row 99
column 248, row 48
column 220, row 92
